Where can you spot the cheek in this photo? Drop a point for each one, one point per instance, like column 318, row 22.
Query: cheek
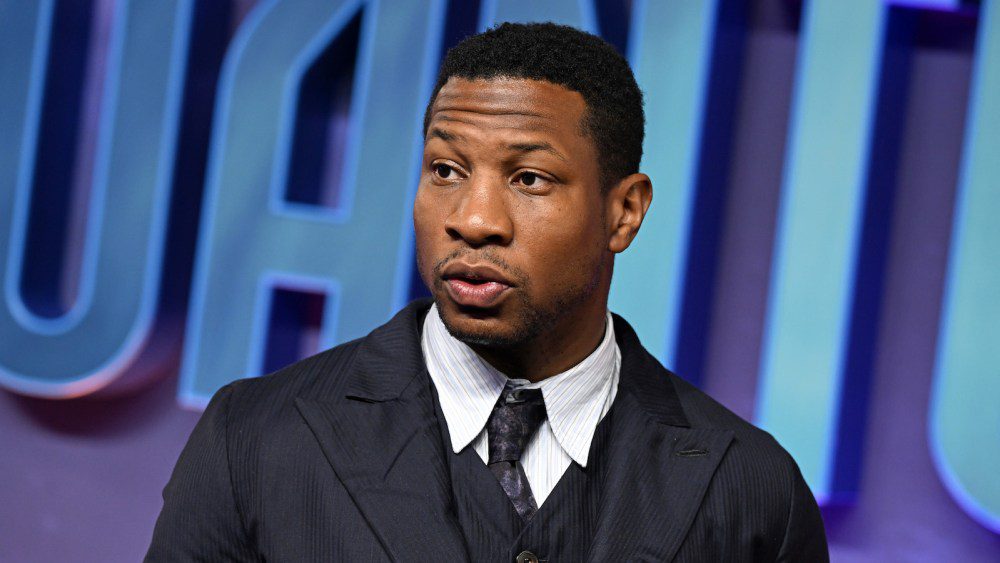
column 425, row 214
column 563, row 245
column 423, row 228
column 572, row 224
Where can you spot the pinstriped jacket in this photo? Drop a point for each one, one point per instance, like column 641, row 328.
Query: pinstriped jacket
column 339, row 458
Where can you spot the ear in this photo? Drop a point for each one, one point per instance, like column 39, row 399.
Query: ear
column 627, row 203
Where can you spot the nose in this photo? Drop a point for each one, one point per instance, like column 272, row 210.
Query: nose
column 481, row 217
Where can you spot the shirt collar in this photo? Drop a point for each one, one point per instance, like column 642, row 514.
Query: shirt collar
column 468, row 387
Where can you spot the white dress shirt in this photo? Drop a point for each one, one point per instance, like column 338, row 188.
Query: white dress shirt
column 575, row 401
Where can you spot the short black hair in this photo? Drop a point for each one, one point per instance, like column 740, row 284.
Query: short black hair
column 566, row 56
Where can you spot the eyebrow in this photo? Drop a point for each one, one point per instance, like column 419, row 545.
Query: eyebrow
column 448, row 136
column 540, row 146
column 444, row 135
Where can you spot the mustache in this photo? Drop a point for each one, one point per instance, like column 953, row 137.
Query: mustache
column 487, row 255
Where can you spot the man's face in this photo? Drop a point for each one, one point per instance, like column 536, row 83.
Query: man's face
column 509, row 216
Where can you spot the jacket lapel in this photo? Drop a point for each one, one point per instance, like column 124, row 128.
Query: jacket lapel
column 382, row 439
column 658, row 467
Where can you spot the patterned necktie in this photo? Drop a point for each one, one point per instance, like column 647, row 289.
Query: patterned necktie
column 516, row 416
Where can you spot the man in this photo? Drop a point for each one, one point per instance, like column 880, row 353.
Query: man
column 514, row 418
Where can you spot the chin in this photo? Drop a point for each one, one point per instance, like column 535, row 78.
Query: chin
column 485, row 339
column 488, row 329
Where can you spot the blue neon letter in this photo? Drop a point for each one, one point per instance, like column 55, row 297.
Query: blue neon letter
column 93, row 343
column 252, row 238
column 965, row 405
column 817, row 238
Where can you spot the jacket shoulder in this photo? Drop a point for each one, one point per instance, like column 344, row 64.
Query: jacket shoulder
column 319, row 376
column 705, row 412
column 386, row 353
column 758, row 483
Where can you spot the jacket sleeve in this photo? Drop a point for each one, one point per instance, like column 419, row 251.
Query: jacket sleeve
column 805, row 537
column 200, row 520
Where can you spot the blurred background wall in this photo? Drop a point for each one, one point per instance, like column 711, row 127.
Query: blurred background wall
column 196, row 191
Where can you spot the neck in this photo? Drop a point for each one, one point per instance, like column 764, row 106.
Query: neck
column 552, row 352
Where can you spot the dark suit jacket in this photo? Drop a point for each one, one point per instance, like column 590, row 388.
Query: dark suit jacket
column 339, row 457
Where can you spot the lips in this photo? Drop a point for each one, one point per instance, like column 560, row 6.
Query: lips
column 478, row 286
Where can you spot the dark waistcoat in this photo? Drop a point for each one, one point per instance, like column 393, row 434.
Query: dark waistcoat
column 562, row 528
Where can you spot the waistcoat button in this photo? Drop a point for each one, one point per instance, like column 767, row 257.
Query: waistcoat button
column 526, row 557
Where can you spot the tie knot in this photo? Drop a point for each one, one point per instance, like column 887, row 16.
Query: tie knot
column 515, row 418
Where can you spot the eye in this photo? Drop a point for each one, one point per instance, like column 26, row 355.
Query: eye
column 532, row 180
column 444, row 171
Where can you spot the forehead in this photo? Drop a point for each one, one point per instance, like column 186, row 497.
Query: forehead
column 509, row 103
